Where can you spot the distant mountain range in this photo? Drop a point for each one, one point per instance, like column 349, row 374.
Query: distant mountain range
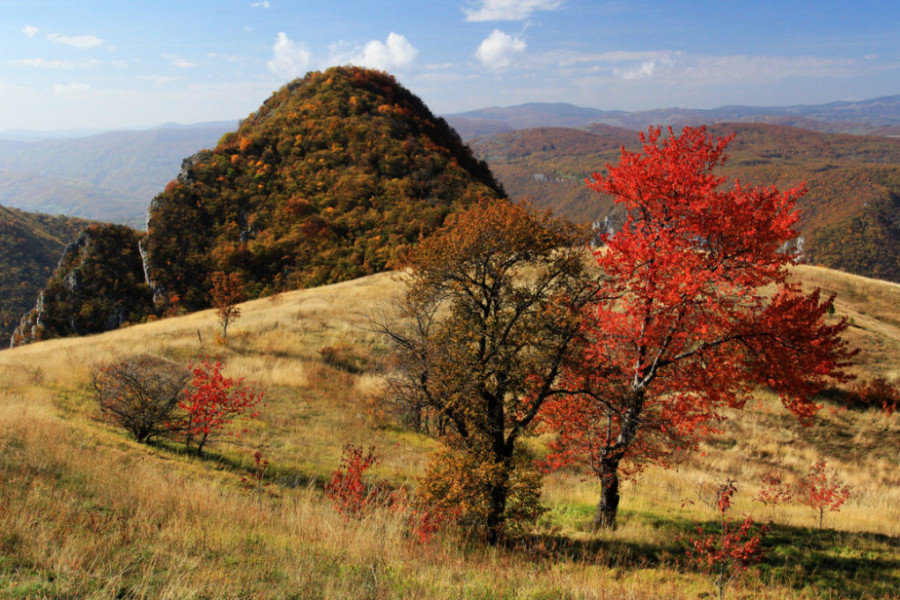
column 878, row 116
column 112, row 176
column 109, row 176
column 337, row 174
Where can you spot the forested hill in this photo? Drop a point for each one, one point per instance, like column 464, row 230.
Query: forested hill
column 30, row 247
column 850, row 216
column 334, row 177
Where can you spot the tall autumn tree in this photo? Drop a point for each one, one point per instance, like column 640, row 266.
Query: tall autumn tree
column 493, row 308
column 226, row 293
column 695, row 312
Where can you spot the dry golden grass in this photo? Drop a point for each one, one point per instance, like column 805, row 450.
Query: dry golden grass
column 88, row 513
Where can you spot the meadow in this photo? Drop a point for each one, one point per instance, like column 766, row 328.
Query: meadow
column 86, row 512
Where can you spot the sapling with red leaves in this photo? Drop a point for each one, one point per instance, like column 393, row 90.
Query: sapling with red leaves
column 822, row 489
column 211, row 402
column 350, row 494
column 259, row 473
column 774, row 490
column 731, row 551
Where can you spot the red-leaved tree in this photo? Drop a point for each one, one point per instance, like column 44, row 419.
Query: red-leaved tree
column 696, row 311
column 821, row 490
column 731, row 551
column 226, row 293
column 774, row 490
column 211, row 402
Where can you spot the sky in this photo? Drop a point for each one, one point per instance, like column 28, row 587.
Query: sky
column 117, row 64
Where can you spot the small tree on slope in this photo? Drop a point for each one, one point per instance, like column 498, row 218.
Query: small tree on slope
column 695, row 312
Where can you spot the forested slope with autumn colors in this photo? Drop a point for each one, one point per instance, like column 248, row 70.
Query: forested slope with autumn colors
column 30, row 247
column 332, row 178
column 850, row 215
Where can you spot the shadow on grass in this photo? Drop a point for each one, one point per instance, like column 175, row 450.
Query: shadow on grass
column 825, row 562
column 279, row 476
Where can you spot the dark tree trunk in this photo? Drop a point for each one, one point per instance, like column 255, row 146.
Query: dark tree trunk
column 498, row 494
column 605, row 517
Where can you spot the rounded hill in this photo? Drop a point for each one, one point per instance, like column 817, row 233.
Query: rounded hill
column 332, row 178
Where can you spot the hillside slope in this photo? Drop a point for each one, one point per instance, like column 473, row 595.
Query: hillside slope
column 93, row 514
column 850, row 215
column 30, row 247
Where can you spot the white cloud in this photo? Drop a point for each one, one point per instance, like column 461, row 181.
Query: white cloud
column 291, row 59
column 42, row 63
column 499, row 49
column 30, row 30
column 397, row 53
column 71, row 88
column 76, row 41
column 507, row 10
column 263, row 4
column 181, row 63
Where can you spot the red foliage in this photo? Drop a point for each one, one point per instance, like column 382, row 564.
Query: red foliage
column 259, row 473
column 424, row 520
column 424, row 523
column 728, row 553
column 211, row 402
column 821, row 489
column 877, row 392
column 724, row 494
column 774, row 491
column 696, row 311
column 346, row 489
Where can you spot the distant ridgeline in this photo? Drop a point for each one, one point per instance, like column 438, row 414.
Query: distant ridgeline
column 331, row 179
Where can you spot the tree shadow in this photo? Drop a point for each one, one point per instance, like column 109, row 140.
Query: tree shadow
column 833, row 563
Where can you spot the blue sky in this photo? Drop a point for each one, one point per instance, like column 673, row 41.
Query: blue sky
column 112, row 64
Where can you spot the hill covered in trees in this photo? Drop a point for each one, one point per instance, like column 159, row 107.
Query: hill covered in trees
column 332, row 178
column 850, row 215
column 30, row 246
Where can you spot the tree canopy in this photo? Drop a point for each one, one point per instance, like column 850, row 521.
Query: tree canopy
column 696, row 310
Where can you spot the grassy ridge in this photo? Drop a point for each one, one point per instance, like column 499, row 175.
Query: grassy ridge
column 85, row 512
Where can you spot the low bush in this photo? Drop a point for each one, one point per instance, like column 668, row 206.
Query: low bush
column 140, row 393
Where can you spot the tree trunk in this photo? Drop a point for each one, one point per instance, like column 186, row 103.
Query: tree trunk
column 497, row 494
column 605, row 517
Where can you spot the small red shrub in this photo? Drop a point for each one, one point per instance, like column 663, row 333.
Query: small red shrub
column 822, row 490
column 346, row 489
